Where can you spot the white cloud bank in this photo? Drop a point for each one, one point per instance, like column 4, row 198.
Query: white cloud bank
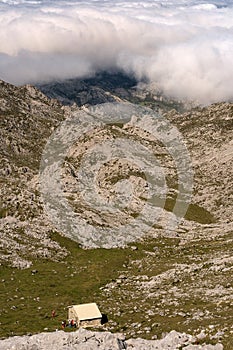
column 184, row 47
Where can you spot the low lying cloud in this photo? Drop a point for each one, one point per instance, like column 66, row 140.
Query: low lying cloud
column 185, row 48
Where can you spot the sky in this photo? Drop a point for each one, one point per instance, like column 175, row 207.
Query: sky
column 184, row 48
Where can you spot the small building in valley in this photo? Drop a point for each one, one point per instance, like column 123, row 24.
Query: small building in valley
column 85, row 315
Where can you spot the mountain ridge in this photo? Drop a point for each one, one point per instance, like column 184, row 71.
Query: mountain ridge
column 191, row 267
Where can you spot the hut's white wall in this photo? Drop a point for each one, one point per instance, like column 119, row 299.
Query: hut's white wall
column 85, row 315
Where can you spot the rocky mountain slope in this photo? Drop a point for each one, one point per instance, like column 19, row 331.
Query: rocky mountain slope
column 186, row 276
column 170, row 280
column 27, row 118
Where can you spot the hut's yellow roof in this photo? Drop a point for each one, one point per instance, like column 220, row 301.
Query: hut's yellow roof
column 87, row 311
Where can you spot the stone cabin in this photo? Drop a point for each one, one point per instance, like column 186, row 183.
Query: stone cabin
column 85, row 315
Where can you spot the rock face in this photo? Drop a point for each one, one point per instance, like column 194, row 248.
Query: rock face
column 87, row 340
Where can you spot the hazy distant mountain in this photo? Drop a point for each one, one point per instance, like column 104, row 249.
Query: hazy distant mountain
column 103, row 87
column 109, row 87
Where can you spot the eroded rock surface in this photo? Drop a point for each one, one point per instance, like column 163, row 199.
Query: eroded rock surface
column 87, row 340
